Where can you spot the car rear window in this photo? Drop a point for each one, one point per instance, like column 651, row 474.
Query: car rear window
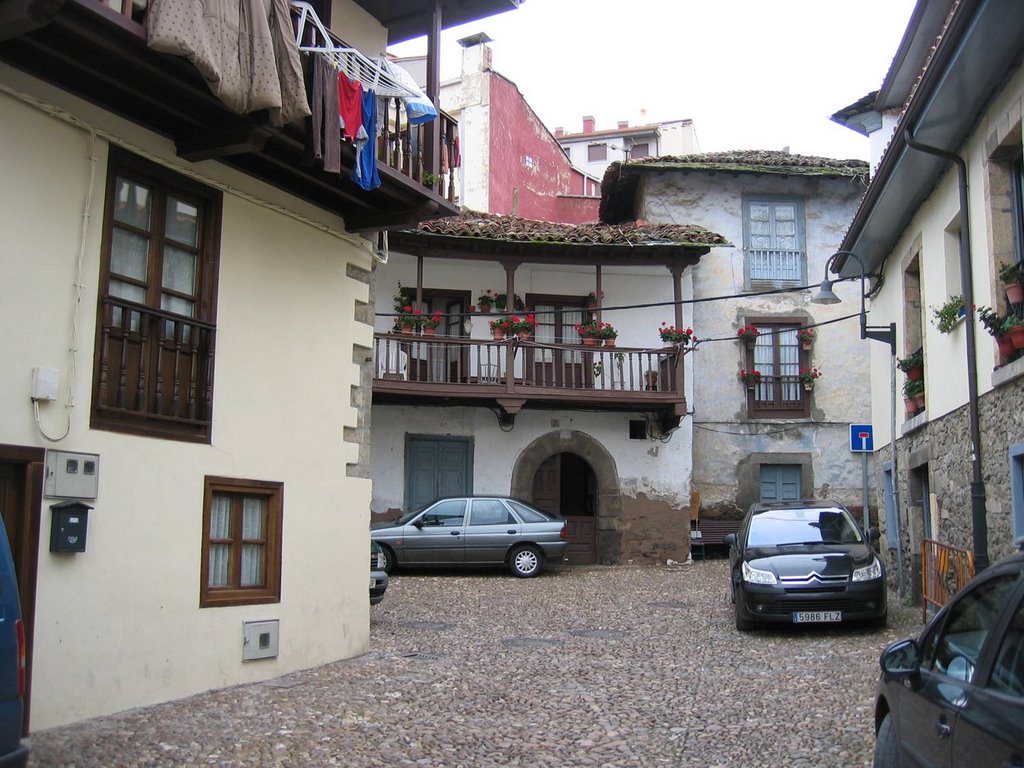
column 529, row 514
column 779, row 527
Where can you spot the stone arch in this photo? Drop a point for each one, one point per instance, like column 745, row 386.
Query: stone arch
column 609, row 500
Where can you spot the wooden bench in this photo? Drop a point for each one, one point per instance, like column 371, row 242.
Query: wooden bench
column 711, row 532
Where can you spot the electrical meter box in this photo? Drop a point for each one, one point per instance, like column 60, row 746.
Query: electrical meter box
column 69, row 522
column 72, row 475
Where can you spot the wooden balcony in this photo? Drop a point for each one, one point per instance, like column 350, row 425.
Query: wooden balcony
column 99, row 54
column 514, row 374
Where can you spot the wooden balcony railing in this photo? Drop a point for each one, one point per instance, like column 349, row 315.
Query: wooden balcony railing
column 155, row 369
column 775, row 264
column 474, row 368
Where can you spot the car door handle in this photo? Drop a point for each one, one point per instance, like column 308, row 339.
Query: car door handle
column 942, row 729
column 511, row 531
column 454, row 533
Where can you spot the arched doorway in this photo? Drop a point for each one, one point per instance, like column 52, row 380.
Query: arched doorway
column 588, row 482
column 566, row 485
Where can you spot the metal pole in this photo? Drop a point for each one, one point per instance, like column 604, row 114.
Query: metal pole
column 867, row 514
column 895, row 473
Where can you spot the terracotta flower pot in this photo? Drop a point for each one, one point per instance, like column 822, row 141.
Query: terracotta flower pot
column 498, row 334
column 1014, row 293
column 609, row 342
column 407, row 329
column 919, row 401
column 485, row 308
column 1017, row 336
column 915, row 374
column 806, row 346
column 429, row 331
column 1005, row 344
column 524, row 335
column 910, row 405
column 590, row 341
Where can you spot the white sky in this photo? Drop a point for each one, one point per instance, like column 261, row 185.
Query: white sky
column 751, row 74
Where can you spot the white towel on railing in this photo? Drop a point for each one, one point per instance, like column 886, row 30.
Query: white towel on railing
column 417, row 106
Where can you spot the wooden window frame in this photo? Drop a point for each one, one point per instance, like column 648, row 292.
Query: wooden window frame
column 158, row 417
column 754, row 411
column 235, row 594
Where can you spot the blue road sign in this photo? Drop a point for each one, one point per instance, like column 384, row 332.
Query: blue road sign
column 862, row 438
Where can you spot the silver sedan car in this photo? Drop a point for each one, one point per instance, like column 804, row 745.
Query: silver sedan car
column 474, row 531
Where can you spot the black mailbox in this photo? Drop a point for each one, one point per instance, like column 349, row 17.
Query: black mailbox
column 68, row 523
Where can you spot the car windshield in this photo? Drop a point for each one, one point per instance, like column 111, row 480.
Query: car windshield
column 789, row 527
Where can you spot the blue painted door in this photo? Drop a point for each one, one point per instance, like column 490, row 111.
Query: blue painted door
column 780, row 482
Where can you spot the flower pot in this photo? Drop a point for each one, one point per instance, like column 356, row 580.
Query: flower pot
column 749, row 341
column 589, row 341
column 910, row 405
column 806, row 345
column 1005, row 344
column 1014, row 293
column 919, row 401
column 808, row 385
column 407, row 329
column 524, row 335
column 916, row 374
column 485, row 308
column 498, row 334
column 609, row 342
column 1017, row 336
column 429, row 331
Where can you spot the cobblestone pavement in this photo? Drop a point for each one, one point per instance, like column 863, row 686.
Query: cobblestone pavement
column 602, row 666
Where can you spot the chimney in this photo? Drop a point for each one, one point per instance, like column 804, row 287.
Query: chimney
column 559, row 132
column 623, row 124
column 476, row 54
column 588, row 124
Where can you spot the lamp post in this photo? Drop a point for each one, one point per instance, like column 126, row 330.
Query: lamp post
column 887, row 334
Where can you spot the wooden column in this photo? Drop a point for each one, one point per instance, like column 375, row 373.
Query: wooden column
column 431, row 130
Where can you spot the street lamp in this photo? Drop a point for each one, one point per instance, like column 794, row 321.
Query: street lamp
column 826, row 295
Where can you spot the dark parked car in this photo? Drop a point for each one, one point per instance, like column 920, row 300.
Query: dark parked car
column 13, row 750
column 378, row 576
column 955, row 695
column 802, row 562
column 474, row 530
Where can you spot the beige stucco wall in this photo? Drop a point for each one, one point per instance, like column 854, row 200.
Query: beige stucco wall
column 119, row 626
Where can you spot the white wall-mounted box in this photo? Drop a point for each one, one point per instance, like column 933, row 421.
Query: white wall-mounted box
column 72, row 475
column 259, row 639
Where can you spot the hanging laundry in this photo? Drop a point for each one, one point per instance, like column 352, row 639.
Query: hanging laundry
column 350, row 103
column 418, row 108
column 326, row 135
column 365, row 171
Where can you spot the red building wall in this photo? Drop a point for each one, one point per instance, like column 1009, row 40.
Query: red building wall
column 530, row 175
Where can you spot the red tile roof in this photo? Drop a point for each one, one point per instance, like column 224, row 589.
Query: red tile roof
column 758, row 161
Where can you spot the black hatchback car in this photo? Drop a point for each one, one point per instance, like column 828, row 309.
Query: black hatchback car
column 804, row 562
column 954, row 696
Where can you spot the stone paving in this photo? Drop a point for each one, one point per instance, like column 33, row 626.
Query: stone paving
column 601, row 666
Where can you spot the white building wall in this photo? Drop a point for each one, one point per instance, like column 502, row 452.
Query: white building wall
column 119, row 626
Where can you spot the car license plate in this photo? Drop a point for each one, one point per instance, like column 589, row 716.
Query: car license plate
column 808, row 617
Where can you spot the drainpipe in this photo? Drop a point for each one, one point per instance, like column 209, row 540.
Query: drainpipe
column 979, row 517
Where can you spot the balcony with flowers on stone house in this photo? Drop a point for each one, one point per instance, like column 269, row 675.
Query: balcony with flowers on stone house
column 550, row 336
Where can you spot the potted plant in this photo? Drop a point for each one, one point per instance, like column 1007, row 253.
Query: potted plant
column 947, row 315
column 806, row 338
column 750, row 377
column 589, row 332
column 524, row 326
column 748, row 335
column 593, row 298
column 672, row 335
column 501, row 302
column 996, row 326
column 913, row 395
column 912, row 365
column 402, row 297
column 502, row 327
column 608, row 333
column 808, row 376
column 410, row 320
column 485, row 301
column 1015, row 329
column 430, row 324
column 650, row 379
column 1012, row 276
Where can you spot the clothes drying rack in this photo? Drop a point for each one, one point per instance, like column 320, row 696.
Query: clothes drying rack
column 370, row 72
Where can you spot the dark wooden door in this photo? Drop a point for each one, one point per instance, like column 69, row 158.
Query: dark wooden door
column 564, row 485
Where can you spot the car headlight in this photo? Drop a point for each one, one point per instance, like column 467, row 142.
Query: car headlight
column 873, row 571
column 755, row 576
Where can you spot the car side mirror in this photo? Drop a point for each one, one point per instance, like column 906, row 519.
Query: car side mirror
column 729, row 539
column 418, row 523
column 902, row 659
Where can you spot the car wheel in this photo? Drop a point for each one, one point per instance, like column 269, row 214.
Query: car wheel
column 887, row 753
column 524, row 561
column 389, row 560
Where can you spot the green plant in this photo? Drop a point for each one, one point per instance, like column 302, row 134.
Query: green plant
column 523, row 324
column 487, row 297
column 433, row 321
column 589, row 330
column 430, row 179
column 805, row 335
column 992, row 321
column 504, row 324
column 808, row 375
column 501, row 301
column 946, row 315
column 912, row 388
column 1011, row 273
column 402, row 297
column 607, row 331
column 750, row 377
column 411, row 317
column 676, row 335
column 910, row 362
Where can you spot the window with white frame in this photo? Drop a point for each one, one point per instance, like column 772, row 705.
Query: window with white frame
column 773, row 233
